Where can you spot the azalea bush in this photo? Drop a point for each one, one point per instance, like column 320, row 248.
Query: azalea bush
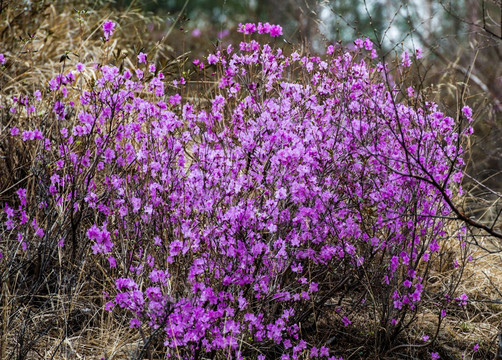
column 235, row 212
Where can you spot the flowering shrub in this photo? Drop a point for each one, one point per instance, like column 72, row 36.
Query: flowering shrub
column 301, row 187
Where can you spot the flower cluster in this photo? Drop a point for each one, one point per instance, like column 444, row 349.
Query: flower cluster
column 242, row 217
column 250, row 28
column 108, row 29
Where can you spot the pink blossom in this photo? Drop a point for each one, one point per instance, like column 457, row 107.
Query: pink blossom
column 368, row 44
column 346, row 321
column 418, row 52
column 134, row 323
column 212, row 59
column 108, row 29
column 112, row 262
column 275, row 30
column 467, row 111
column 175, row 99
column 142, row 58
column 406, row 62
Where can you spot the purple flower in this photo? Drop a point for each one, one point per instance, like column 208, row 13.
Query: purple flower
column 368, row 44
column 247, row 29
column 175, row 99
column 324, row 351
column 434, row 246
column 406, row 62
column 418, row 52
column 134, row 323
column 21, row 193
column 467, row 111
column 346, row 321
column 142, row 58
column 416, row 296
column 434, row 356
column 108, row 29
column 275, row 30
column 40, row 232
column 394, row 263
column 462, row 299
column 112, row 262
column 2, row 59
column 212, row 59
column 109, row 306
column 314, row 352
